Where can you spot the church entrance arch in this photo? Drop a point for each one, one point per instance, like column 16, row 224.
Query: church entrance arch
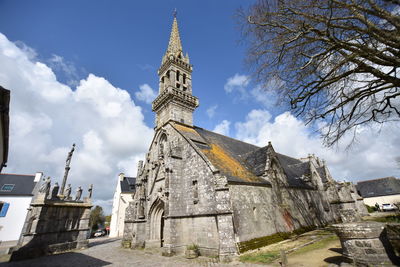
column 157, row 222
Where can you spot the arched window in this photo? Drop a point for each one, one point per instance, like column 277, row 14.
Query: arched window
column 184, row 78
column 168, row 74
column 162, row 146
column 177, row 75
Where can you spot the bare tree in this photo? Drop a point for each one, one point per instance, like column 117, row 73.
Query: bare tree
column 336, row 61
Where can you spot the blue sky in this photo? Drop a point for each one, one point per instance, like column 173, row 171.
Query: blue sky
column 76, row 70
column 125, row 40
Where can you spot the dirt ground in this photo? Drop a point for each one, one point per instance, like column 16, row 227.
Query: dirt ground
column 320, row 257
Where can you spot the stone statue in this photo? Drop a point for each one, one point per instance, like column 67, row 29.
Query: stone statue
column 90, row 190
column 78, row 193
column 45, row 188
column 54, row 192
column 68, row 161
column 67, row 168
column 67, row 192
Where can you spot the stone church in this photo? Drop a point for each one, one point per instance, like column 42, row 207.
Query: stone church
column 221, row 194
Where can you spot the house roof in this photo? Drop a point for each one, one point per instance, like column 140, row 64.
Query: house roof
column 23, row 185
column 242, row 162
column 128, row 185
column 379, row 187
column 5, row 121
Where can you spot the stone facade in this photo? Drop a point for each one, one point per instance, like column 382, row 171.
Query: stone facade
column 55, row 223
column 370, row 243
column 221, row 194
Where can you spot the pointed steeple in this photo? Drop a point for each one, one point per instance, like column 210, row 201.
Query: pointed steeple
column 175, row 101
column 174, row 45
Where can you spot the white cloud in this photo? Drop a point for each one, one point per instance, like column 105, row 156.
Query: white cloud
column 146, row 94
column 237, row 83
column 211, row 111
column 57, row 62
column 46, row 117
column 372, row 156
column 223, row 128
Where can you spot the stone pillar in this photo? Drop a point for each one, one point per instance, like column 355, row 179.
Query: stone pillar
column 367, row 243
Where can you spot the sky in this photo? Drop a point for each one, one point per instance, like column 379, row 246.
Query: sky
column 85, row 72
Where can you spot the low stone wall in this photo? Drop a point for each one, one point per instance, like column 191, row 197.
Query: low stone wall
column 53, row 226
column 367, row 243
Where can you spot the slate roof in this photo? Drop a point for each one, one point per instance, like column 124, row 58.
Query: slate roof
column 23, row 184
column 128, row 185
column 241, row 162
column 379, row 187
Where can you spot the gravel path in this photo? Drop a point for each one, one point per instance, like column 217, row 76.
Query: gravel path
column 108, row 252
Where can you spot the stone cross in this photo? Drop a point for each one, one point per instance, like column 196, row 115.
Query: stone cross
column 67, row 163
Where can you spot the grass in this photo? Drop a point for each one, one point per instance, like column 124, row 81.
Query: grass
column 272, row 255
column 261, row 257
column 387, row 219
column 317, row 245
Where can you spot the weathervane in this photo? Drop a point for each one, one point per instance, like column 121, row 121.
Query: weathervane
column 67, row 162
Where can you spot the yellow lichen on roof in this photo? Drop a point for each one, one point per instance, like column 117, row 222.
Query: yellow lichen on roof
column 227, row 164
column 185, row 128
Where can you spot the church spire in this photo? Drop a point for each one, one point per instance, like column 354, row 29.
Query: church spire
column 175, row 101
column 174, row 45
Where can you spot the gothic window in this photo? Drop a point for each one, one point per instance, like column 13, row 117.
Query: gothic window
column 177, row 75
column 255, row 213
column 168, row 74
column 178, row 85
column 162, row 80
column 162, row 146
column 184, row 78
column 195, row 192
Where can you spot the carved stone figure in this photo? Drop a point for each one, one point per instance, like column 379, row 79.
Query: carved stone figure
column 90, row 190
column 45, row 188
column 54, row 192
column 78, row 193
column 67, row 192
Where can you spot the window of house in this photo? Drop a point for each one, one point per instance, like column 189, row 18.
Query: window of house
column 4, row 208
column 7, row 187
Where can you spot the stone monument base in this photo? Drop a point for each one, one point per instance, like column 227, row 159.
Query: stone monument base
column 33, row 252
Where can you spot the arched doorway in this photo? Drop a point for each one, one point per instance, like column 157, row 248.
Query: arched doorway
column 157, row 222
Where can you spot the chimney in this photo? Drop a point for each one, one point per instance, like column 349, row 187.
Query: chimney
column 38, row 176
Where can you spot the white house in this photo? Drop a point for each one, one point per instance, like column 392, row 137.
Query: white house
column 124, row 192
column 382, row 191
column 16, row 192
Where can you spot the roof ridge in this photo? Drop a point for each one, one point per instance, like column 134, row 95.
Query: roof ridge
column 237, row 140
column 377, row 179
column 16, row 174
column 289, row 157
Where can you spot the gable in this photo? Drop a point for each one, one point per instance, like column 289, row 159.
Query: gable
column 16, row 184
column 241, row 162
column 379, row 187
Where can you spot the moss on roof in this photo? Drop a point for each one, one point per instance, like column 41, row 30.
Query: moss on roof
column 227, row 164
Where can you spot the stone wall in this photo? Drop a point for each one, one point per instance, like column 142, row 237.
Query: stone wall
column 257, row 212
column 53, row 225
column 369, row 243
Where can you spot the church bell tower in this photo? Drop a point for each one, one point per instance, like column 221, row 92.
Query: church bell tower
column 175, row 101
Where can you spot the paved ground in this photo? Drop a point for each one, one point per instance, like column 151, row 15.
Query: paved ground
column 108, row 252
